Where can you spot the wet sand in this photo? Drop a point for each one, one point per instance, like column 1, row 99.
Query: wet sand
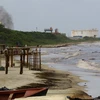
column 60, row 83
column 47, row 77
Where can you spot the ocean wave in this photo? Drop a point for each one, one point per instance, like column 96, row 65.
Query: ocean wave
column 88, row 65
column 72, row 55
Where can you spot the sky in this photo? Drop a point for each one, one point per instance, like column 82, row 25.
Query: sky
column 66, row 15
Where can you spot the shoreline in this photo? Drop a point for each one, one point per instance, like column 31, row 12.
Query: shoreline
column 56, row 80
column 64, row 44
column 91, row 77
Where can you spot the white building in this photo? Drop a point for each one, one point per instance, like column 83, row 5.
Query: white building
column 83, row 33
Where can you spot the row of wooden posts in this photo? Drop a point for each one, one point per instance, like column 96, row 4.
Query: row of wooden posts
column 23, row 52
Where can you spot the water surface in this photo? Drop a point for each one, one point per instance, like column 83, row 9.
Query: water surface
column 82, row 60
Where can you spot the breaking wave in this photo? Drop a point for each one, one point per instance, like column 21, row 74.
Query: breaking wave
column 67, row 56
column 72, row 55
column 88, row 65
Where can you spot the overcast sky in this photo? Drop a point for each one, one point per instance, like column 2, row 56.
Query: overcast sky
column 66, row 15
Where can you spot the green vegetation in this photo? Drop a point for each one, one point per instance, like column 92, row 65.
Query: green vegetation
column 14, row 37
column 20, row 38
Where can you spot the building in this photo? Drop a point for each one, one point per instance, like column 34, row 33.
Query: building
column 84, row 33
column 48, row 30
column 51, row 30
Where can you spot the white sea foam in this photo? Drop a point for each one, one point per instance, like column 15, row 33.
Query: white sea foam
column 88, row 65
column 72, row 55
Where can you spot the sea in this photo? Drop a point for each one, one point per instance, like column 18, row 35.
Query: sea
column 82, row 60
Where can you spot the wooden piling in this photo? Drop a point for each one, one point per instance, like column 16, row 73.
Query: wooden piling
column 7, row 62
column 12, row 57
column 21, row 64
column 23, row 56
column 24, row 52
column 40, row 58
column 27, row 57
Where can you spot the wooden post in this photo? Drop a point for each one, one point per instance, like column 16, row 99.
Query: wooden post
column 21, row 64
column 11, row 57
column 27, row 56
column 23, row 56
column 0, row 60
column 7, row 62
column 40, row 58
column 35, row 59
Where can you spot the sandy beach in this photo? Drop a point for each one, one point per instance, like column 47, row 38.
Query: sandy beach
column 47, row 77
column 58, row 81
